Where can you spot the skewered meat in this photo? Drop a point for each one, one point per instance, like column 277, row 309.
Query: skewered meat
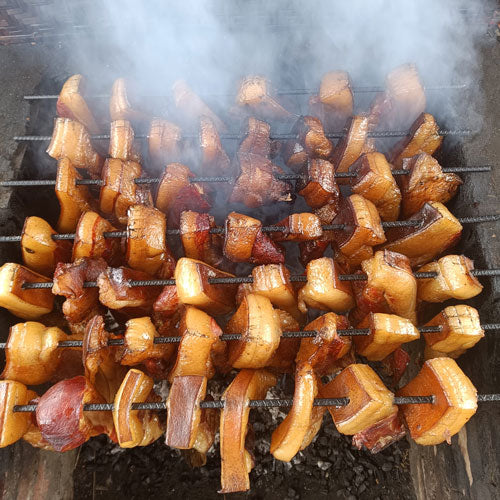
column 387, row 333
column 71, row 140
column 460, row 330
column 454, row 280
column 123, row 103
column 390, row 287
column 245, row 242
column 351, row 146
column 375, row 182
column 164, row 143
column 299, row 227
column 310, row 142
column 121, row 142
column 71, row 103
column 236, row 460
column 13, row 425
column 135, row 427
column 284, row 356
column 369, row 400
column 119, row 191
column 287, row 438
column 455, row 401
column 318, row 186
column 255, row 93
column 257, row 139
column 167, row 303
column 423, row 137
column 147, row 248
column 438, row 231
column 363, row 229
column 199, row 338
column 116, row 293
column 425, row 182
column 73, row 199
column 323, row 289
column 395, row 364
column 33, row 435
column 61, row 419
column 214, row 160
column 191, row 107
column 191, row 279
column 81, row 303
column 40, row 252
column 31, row 353
column 23, row 303
column 90, row 241
column 327, row 347
column 184, row 412
column 260, row 330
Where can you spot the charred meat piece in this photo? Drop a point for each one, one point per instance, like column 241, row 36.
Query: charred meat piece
column 73, row 199
column 214, row 160
column 119, row 191
column 312, row 250
column 425, row 182
column 164, row 143
column 90, row 240
column 167, row 303
column 423, row 137
column 23, row 303
column 438, row 231
column 236, row 460
column 390, row 287
column 71, row 103
column 124, row 105
column 147, row 248
column 254, row 94
column 32, row 355
column 375, row 182
column 387, row 333
column 455, row 401
column 245, row 242
column 323, row 289
column 395, row 364
column 71, row 140
column 318, row 186
column 299, row 227
column 369, row 400
column 122, row 142
column 40, row 252
column 284, row 356
column 454, row 280
column 136, row 427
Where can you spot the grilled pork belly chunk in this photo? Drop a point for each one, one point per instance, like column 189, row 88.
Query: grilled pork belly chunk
column 191, row 107
column 71, row 103
column 454, row 280
column 124, row 105
column 13, row 425
column 147, row 248
column 257, row 138
column 61, row 419
column 375, row 182
column 423, row 137
column 164, row 143
column 369, row 400
column 73, row 199
column 193, row 287
column 90, row 241
column 425, row 182
column 323, row 289
column 318, row 185
column 119, row 191
column 438, row 231
column 136, row 427
column 310, row 142
column 254, row 94
column 455, row 401
column 327, row 347
column 214, row 160
column 260, row 330
column 299, row 227
column 390, row 287
column 31, row 353
column 460, row 330
column 23, row 303
column 283, row 358
column 387, row 333
column 287, row 438
column 122, row 142
column 40, row 252
column 236, row 460
column 245, row 242
column 71, row 140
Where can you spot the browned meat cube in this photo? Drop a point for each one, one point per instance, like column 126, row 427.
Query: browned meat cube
column 164, row 143
column 318, row 186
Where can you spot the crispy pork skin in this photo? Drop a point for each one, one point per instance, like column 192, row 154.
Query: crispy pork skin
column 122, row 142
column 299, row 227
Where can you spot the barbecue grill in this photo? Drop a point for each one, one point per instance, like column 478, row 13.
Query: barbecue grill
column 467, row 468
